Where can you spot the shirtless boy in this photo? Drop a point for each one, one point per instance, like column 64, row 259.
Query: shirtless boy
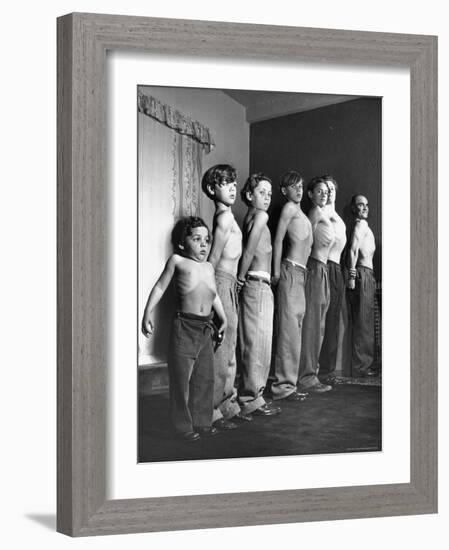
column 317, row 287
column 219, row 184
column 190, row 357
column 290, row 275
column 362, row 286
column 329, row 348
column 256, row 298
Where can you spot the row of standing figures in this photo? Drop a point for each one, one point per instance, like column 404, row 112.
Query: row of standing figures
column 227, row 283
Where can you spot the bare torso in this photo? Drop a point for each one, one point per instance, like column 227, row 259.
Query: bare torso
column 232, row 251
column 262, row 256
column 195, row 286
column 323, row 234
column 300, row 238
column 340, row 237
column 367, row 247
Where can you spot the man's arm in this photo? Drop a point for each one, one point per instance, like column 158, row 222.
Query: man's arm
column 353, row 253
column 156, row 294
column 259, row 222
column 286, row 215
column 223, row 227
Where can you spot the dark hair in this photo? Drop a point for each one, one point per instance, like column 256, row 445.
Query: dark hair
column 220, row 173
column 251, row 183
column 290, row 178
column 328, row 177
column 183, row 228
column 353, row 203
column 316, row 181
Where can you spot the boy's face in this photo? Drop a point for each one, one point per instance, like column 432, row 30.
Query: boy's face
column 332, row 192
column 294, row 192
column 197, row 245
column 319, row 194
column 225, row 192
column 260, row 197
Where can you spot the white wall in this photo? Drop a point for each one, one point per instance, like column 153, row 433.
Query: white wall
column 28, row 313
column 226, row 120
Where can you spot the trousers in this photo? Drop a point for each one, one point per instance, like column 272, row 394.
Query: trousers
column 190, row 371
column 361, row 301
column 290, row 310
column 255, row 337
column 317, row 304
column 329, row 348
column 225, row 365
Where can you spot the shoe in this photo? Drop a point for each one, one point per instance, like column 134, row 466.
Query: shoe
column 188, row 436
column 330, row 379
column 297, row 396
column 319, row 388
column 267, row 410
column 244, row 417
column 207, row 431
column 222, row 424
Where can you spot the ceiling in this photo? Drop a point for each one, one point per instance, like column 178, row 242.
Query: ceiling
column 262, row 105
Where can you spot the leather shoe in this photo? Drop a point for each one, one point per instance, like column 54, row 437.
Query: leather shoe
column 188, row 436
column 318, row 388
column 297, row 396
column 222, row 425
column 267, row 410
column 207, row 431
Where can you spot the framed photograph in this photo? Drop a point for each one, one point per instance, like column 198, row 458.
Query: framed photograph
column 145, row 107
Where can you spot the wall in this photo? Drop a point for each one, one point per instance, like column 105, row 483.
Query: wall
column 343, row 140
column 226, row 120
column 28, row 320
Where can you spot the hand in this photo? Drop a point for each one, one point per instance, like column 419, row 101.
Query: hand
column 275, row 280
column 351, row 284
column 240, row 284
column 221, row 332
column 147, row 327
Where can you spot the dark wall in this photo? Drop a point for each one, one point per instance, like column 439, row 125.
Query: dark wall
column 344, row 140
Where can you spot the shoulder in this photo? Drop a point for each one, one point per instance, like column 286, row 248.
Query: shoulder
column 260, row 217
column 361, row 226
column 289, row 210
column 225, row 219
column 315, row 214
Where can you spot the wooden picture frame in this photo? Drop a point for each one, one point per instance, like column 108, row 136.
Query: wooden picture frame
column 83, row 40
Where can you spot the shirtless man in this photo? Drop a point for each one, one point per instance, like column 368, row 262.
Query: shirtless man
column 219, row 184
column 317, row 287
column 190, row 358
column 290, row 275
column 329, row 348
column 256, row 298
column 362, row 286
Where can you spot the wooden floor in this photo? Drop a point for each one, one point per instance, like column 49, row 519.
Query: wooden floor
column 346, row 419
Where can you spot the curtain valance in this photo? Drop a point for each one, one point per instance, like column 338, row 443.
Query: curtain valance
column 172, row 118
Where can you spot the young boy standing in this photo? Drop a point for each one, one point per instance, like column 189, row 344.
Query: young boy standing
column 219, row 184
column 290, row 277
column 256, row 298
column 190, row 359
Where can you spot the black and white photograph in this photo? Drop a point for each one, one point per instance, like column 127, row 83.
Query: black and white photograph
column 259, row 273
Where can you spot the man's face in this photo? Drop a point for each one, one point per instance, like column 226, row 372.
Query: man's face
column 225, row 192
column 332, row 192
column 361, row 209
column 319, row 194
column 261, row 196
column 293, row 192
column 197, row 245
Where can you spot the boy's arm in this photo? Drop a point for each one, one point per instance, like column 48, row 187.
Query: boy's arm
column 353, row 252
column 284, row 220
column 223, row 226
column 259, row 222
column 315, row 216
column 218, row 307
column 156, row 294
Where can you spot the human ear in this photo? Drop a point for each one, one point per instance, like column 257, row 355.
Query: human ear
column 211, row 189
column 283, row 191
column 249, row 196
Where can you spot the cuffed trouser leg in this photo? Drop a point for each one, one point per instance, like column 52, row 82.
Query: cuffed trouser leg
column 317, row 304
column 329, row 348
column 362, row 320
column 290, row 309
column 255, row 337
column 225, row 365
